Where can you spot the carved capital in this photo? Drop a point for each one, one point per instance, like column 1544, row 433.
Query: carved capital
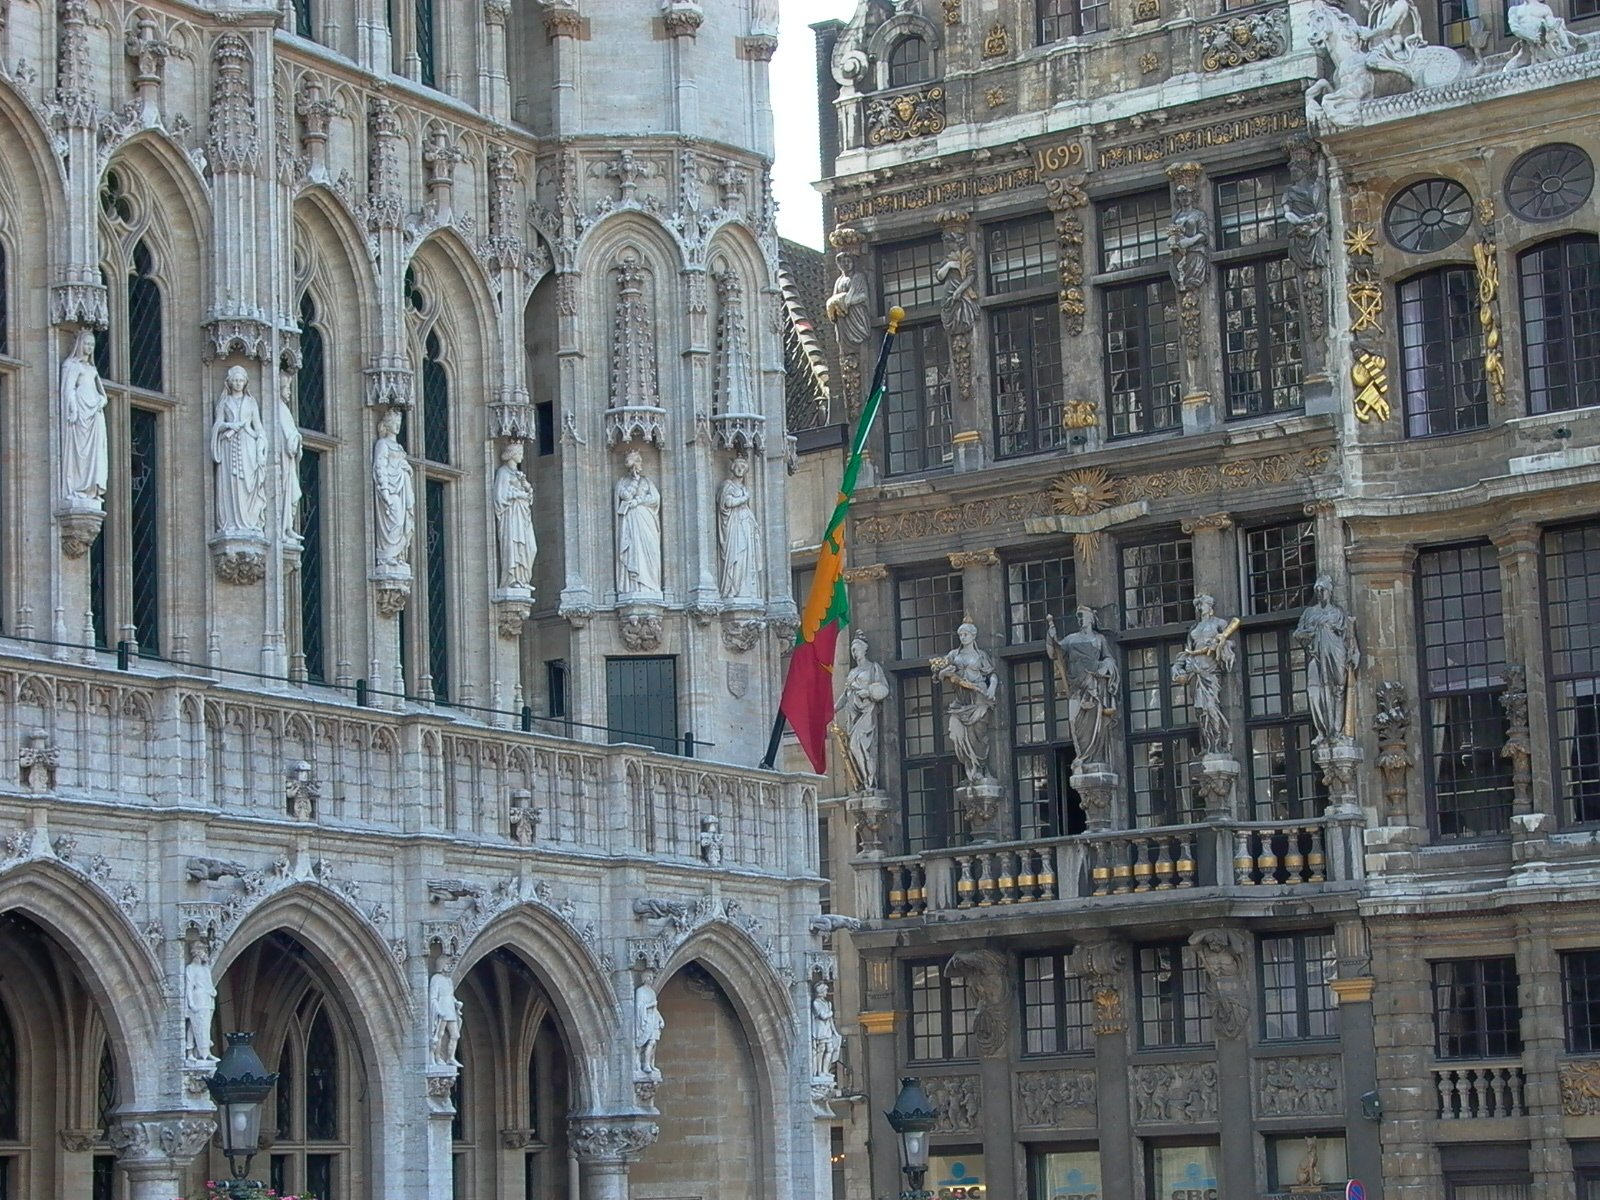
column 561, row 20
column 760, row 47
column 175, row 1138
column 962, row 559
column 618, row 1139
column 1207, row 523
column 870, row 573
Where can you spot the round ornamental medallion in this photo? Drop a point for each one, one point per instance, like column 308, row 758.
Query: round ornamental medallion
column 1428, row 216
column 1549, row 183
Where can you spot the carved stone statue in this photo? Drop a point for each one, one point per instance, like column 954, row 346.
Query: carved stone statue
column 1541, row 35
column 1304, row 210
column 239, row 449
column 1088, row 678
column 1189, row 240
column 1222, row 955
column 394, row 494
column 861, row 699
column 83, row 427
column 638, row 531
column 826, row 1040
column 847, row 307
column 1208, row 654
column 290, row 448
column 988, row 981
column 1308, row 1173
column 513, row 519
column 647, row 1030
column 969, row 672
column 199, row 1004
column 738, row 537
column 1327, row 635
column 1391, row 41
column 958, row 309
column 446, row 1012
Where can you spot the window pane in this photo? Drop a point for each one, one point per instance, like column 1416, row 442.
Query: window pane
column 1458, row 20
column 1022, row 254
column 1184, row 1171
column 1038, row 588
column 1157, row 583
column 929, row 610
column 322, row 1083
column 1247, row 209
column 917, row 413
column 438, row 565
column 1572, row 622
column 1281, row 566
column 1441, row 351
column 311, row 379
column 1261, row 337
column 909, row 62
column 1025, row 351
column 435, row 403
column 144, row 323
column 1141, row 357
column 1133, row 230
column 905, row 274
column 1580, row 985
column 1475, row 1008
column 1561, row 323
column 144, row 517
column 425, row 42
column 311, row 611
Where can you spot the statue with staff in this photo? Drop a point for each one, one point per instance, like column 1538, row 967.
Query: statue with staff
column 1326, row 635
column 1208, row 654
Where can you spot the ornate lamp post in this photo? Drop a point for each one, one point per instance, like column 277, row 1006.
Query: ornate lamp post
column 912, row 1117
column 239, row 1086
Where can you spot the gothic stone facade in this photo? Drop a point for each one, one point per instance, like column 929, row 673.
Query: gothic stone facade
column 326, row 347
column 1176, row 328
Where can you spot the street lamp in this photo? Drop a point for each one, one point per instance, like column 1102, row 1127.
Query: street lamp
column 239, row 1086
column 912, row 1117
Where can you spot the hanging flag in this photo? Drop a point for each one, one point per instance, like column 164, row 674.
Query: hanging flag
column 808, row 691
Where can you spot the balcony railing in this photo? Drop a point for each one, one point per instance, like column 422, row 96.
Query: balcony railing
column 1484, row 1089
column 1240, row 854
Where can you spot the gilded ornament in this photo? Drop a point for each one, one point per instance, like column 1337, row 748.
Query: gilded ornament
column 952, row 12
column 1361, row 239
column 1084, row 492
column 1580, row 1089
column 998, row 43
column 1244, row 40
column 995, row 97
column 1494, row 367
column 907, row 115
column 1149, row 63
column 1365, row 294
column 1370, row 375
column 1080, row 414
column 1146, row 10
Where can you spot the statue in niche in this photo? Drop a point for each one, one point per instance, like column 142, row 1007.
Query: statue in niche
column 1208, row 654
column 239, row 449
column 513, row 519
column 83, row 427
column 199, row 1004
column 738, row 538
column 1189, row 240
column 290, row 448
column 847, row 307
column 1304, row 210
column 1327, row 635
column 971, row 676
column 1087, row 676
column 958, row 309
column 394, row 494
column 638, row 531
column 861, row 699
column 1541, row 35
column 826, row 1041
column 647, row 1030
column 446, row 1011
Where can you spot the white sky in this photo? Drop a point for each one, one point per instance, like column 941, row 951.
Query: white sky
column 794, row 106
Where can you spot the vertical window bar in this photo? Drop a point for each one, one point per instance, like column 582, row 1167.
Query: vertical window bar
column 103, row 337
column 435, row 404
column 302, row 18
column 5, row 343
column 1561, row 323
column 312, row 381
column 425, row 44
column 144, row 516
column 1441, row 348
column 311, row 610
column 8, row 1078
column 438, row 592
column 144, row 322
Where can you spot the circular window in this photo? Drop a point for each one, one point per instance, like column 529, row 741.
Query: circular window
column 1428, row 215
column 1549, row 183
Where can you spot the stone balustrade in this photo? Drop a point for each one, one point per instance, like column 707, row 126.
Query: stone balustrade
column 1479, row 1090
column 1087, row 867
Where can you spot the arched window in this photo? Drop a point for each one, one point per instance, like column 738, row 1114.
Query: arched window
column 105, row 1090
column 435, row 403
column 909, row 62
column 309, row 1141
column 311, row 382
column 1441, row 353
column 5, row 343
column 103, row 337
column 8, row 1078
column 144, row 322
column 1561, row 322
column 322, row 1081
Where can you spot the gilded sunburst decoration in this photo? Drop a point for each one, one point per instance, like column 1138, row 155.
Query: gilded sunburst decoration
column 1084, row 492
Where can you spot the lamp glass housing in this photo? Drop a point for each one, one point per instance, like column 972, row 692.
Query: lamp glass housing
column 239, row 1086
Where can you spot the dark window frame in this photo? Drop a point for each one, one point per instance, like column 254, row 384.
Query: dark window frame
column 1189, row 1001
column 1580, row 991
column 1301, row 964
column 1574, row 726
column 901, row 70
column 919, row 409
column 1577, row 352
column 947, row 1036
column 1028, row 390
column 1443, row 387
column 1070, row 1025
column 1057, row 20
column 1256, row 240
column 1479, row 1011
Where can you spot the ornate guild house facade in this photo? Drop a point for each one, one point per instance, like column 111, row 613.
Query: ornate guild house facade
column 393, row 498
column 1222, row 744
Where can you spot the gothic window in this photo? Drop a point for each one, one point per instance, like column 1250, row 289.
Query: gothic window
column 1476, row 1013
column 1173, row 1007
column 144, row 321
column 1025, row 355
column 105, row 1088
column 8, row 1078
column 917, row 420
column 321, row 1081
column 1280, row 568
column 1463, row 663
column 1141, row 356
column 1580, row 992
column 425, row 629
column 1058, row 19
column 303, row 12
column 311, row 382
column 1441, row 353
column 909, row 62
column 312, row 628
column 1260, row 298
column 1296, row 1001
column 642, row 702
column 425, row 43
column 1561, row 322
column 5, row 328
column 1429, row 215
column 942, row 1013
column 144, row 521
column 1550, row 183
column 438, row 573
column 1057, row 1007
column 1572, row 621
column 1458, row 21
column 435, row 403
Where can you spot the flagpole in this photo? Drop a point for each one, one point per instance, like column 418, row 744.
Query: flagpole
column 858, row 444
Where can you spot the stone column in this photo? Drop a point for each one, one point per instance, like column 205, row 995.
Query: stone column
column 1189, row 243
column 1403, row 1045
column 1217, row 776
column 1352, row 992
column 1104, row 963
column 1539, row 993
column 1076, row 246
column 1382, row 599
column 605, row 1147
column 564, row 26
column 153, row 1149
column 1528, row 726
column 881, row 1080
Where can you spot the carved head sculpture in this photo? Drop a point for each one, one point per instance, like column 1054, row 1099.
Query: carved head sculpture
column 634, row 462
column 740, row 466
column 1204, row 606
column 1323, row 589
column 83, row 348
column 236, row 379
column 1087, row 621
column 389, row 424
column 966, row 633
column 858, row 648
column 512, row 453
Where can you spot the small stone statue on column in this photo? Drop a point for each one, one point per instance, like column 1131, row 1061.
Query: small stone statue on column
column 860, row 705
column 1208, row 655
column 446, row 1011
column 199, row 1004
column 84, row 458
column 969, row 672
column 1088, row 679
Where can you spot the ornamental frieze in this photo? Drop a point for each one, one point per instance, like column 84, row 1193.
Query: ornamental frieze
column 1300, row 1087
column 1188, row 141
column 1580, row 1089
column 907, row 115
column 947, row 191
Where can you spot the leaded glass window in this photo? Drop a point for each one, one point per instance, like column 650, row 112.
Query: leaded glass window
column 5, row 328
column 942, row 1015
column 144, row 518
column 425, row 44
column 1140, row 332
column 312, row 644
column 322, row 1081
column 302, row 19
column 311, row 380
column 1057, row 1006
column 1025, row 352
column 1157, row 583
column 1476, row 1012
column 438, row 568
column 1296, row 1001
column 1572, row 622
column 1441, row 353
column 8, row 1078
column 144, row 322
column 435, row 402
column 1561, row 323
column 917, row 416
column 105, row 1085
column 1173, row 1006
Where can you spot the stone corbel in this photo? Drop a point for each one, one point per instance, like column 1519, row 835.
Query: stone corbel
column 239, row 560
column 512, row 607
column 682, row 18
column 636, row 423
column 388, row 384
column 79, row 526
column 640, row 628
column 739, row 431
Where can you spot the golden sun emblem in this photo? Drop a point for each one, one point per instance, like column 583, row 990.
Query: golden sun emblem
column 1361, row 239
column 1081, row 493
